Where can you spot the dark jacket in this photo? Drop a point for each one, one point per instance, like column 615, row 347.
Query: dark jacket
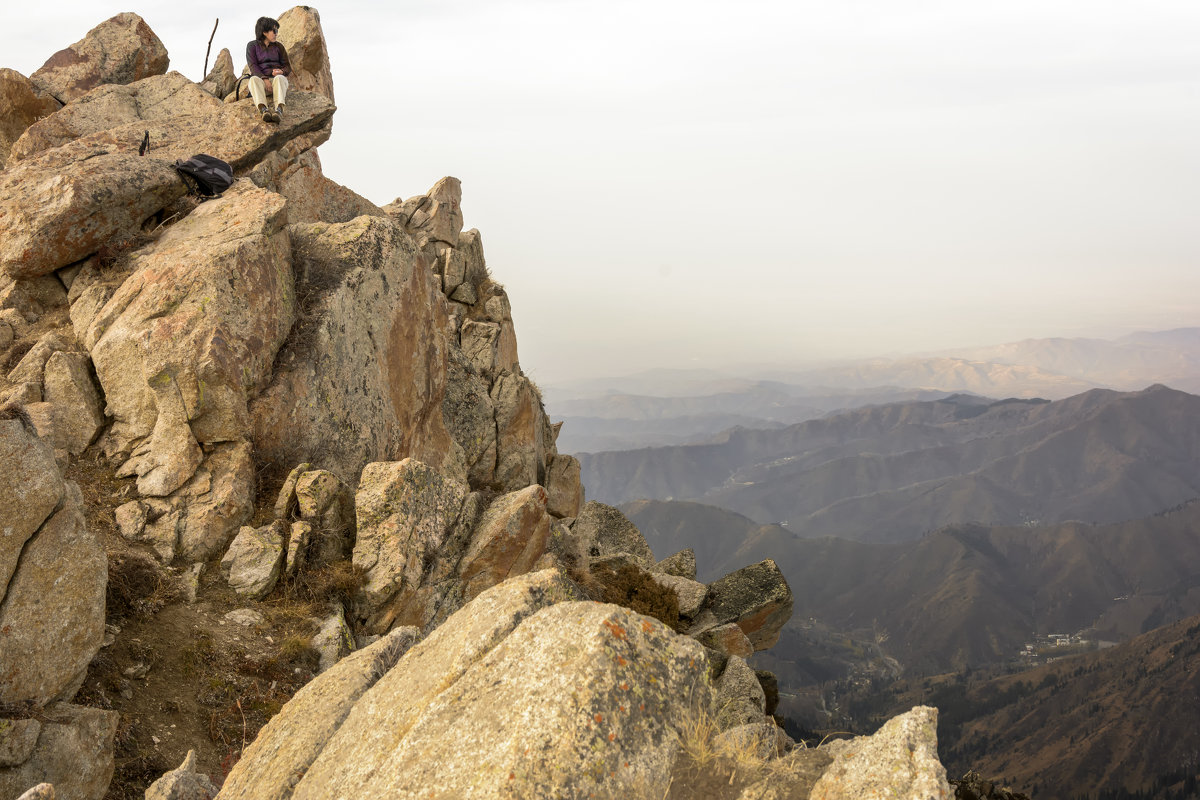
column 262, row 58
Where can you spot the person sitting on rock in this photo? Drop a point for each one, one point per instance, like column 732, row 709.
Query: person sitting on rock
column 268, row 63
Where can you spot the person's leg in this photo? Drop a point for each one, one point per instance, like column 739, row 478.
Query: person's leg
column 258, row 91
column 280, row 87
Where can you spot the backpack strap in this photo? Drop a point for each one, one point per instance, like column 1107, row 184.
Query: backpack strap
column 237, row 89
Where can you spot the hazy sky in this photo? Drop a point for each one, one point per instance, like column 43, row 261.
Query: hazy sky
column 710, row 183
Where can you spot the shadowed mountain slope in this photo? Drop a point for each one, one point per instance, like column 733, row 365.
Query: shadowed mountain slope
column 1118, row 719
column 967, row 594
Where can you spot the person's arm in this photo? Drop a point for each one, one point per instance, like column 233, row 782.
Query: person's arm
column 283, row 60
column 252, row 60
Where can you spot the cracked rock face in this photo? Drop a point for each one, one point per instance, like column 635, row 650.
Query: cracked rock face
column 73, row 755
column 24, row 104
column 53, row 574
column 364, row 376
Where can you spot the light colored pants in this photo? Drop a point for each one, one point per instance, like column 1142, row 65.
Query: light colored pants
column 258, row 90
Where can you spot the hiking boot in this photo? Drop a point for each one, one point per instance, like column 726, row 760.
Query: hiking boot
column 270, row 116
column 279, row 113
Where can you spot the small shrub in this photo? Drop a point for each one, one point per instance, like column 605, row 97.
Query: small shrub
column 628, row 585
column 136, row 587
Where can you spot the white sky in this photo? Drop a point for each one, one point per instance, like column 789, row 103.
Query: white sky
column 698, row 183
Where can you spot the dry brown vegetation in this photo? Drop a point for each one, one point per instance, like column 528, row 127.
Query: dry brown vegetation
column 627, row 585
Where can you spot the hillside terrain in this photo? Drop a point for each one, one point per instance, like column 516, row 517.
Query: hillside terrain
column 894, row 472
column 1118, row 723
column 963, row 595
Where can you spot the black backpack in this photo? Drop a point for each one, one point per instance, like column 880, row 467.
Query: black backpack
column 205, row 175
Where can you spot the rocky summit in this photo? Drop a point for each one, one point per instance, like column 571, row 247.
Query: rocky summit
column 282, row 515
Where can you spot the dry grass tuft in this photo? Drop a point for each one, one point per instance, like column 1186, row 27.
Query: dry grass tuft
column 313, row 590
column 632, row 587
column 137, row 587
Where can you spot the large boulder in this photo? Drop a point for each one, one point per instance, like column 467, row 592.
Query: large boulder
column 899, row 761
column 221, row 79
column 191, row 335
column 406, row 510
column 74, row 754
column 29, row 494
column 509, row 540
column 121, row 49
column 363, row 376
column 520, row 458
column 606, row 532
column 427, row 545
column 23, row 104
column 61, row 205
column 563, row 485
column 53, row 574
column 757, row 598
column 113, row 105
column 558, row 699
column 432, row 217
column 285, row 749
column 300, row 32
column 70, row 389
column 254, row 559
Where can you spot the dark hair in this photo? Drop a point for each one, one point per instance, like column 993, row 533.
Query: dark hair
column 263, row 25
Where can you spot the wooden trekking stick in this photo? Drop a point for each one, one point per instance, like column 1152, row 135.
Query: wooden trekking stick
column 209, row 50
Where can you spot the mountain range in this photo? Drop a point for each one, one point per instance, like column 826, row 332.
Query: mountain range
column 892, row 473
column 676, row 406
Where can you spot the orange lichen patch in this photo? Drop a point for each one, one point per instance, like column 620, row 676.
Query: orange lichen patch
column 612, row 737
column 598, row 718
column 615, row 629
column 621, row 661
column 647, row 627
column 624, row 686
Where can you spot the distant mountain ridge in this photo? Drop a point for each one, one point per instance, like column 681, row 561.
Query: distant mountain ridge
column 891, row 473
column 678, row 406
column 1170, row 357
